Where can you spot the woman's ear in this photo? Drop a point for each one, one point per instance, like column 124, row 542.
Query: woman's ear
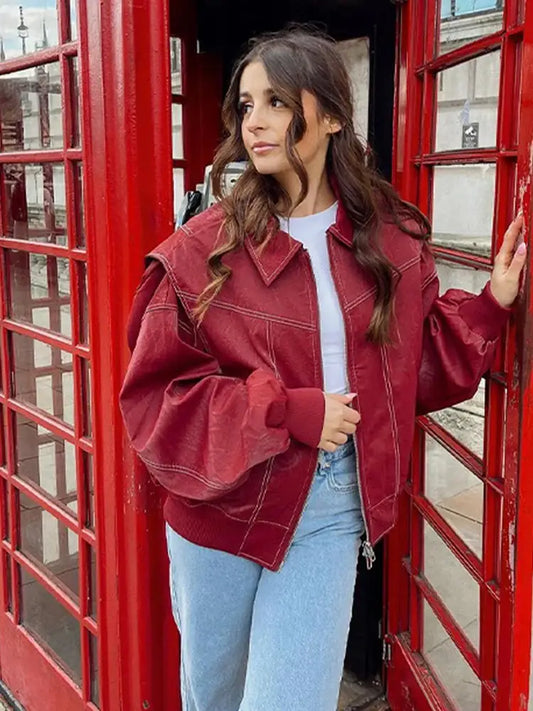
column 332, row 125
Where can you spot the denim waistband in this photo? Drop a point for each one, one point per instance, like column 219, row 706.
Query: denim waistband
column 343, row 450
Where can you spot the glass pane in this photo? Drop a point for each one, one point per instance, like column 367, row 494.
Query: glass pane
column 46, row 461
column 177, row 131
column 463, row 21
column 75, row 102
column 49, row 543
column 455, row 586
column 95, row 676
column 31, row 108
column 83, row 302
column 456, row 493
column 175, row 65
column 35, row 202
column 93, row 584
column 463, row 206
column 78, row 197
column 86, row 397
column 6, row 567
column 89, row 483
column 4, row 510
column 48, row 621
column 73, row 19
column 43, row 377
column 467, row 104
column 26, row 30
column 179, row 190
column 466, row 421
column 40, row 290
column 455, row 675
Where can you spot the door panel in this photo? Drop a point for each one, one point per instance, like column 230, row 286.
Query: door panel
column 48, row 600
column 458, row 157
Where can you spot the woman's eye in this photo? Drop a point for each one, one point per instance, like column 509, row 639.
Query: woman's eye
column 245, row 108
column 277, row 103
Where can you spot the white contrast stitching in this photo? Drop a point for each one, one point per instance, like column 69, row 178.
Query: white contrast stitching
column 260, row 500
column 394, row 424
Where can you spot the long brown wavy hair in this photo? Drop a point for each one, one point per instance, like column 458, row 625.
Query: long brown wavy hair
column 298, row 59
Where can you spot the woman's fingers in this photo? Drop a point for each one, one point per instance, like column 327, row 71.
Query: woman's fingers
column 348, row 428
column 510, row 237
column 327, row 446
column 517, row 262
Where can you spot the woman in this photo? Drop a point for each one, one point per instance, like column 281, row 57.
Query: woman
column 269, row 330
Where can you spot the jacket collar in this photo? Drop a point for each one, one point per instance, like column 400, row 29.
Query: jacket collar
column 281, row 248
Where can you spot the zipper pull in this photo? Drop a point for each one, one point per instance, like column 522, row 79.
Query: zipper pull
column 368, row 553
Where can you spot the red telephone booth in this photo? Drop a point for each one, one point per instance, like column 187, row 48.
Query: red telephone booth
column 108, row 111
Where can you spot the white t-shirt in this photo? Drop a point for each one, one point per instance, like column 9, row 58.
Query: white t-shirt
column 311, row 231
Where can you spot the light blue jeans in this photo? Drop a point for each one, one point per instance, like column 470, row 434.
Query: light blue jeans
column 257, row 640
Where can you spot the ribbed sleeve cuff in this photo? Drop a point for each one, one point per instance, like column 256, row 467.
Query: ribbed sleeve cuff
column 304, row 416
column 484, row 315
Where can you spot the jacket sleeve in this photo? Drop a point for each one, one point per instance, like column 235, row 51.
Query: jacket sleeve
column 460, row 334
column 197, row 430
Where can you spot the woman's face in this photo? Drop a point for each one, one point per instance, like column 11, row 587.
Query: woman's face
column 265, row 120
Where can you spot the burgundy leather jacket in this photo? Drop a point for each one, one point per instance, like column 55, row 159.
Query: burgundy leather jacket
column 227, row 416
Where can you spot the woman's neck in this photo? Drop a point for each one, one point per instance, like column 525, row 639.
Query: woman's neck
column 319, row 195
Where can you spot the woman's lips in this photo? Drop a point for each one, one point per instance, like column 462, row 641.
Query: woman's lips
column 261, row 148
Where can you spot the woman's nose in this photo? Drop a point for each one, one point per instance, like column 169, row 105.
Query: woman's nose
column 255, row 119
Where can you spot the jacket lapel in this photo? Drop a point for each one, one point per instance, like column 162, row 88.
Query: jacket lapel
column 272, row 258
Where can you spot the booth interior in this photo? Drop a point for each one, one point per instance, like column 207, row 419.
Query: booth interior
column 366, row 35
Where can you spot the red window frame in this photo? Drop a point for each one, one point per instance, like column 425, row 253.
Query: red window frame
column 505, row 607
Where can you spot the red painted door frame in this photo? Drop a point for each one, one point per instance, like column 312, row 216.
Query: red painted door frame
column 505, row 678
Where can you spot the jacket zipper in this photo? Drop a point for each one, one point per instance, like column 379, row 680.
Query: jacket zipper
column 308, row 258
column 367, row 548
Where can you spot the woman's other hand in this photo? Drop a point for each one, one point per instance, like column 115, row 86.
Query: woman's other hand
column 340, row 421
column 508, row 264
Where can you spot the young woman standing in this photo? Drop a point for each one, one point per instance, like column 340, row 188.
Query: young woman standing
column 283, row 342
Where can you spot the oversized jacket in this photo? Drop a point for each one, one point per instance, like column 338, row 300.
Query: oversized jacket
column 227, row 415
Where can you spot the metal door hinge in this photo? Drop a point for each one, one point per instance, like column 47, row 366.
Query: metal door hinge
column 386, row 654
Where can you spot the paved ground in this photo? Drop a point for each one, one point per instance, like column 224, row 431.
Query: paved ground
column 355, row 696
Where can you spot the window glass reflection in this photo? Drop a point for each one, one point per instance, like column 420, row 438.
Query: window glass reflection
column 40, row 290
column 35, row 202
column 467, row 104
column 75, row 102
column 43, row 377
column 31, row 109
column 177, row 131
column 49, row 543
column 452, row 582
column 463, row 206
column 179, row 188
column 175, row 65
column 46, row 461
column 50, row 623
column 456, row 493
column 73, row 19
column 463, row 21
column 456, row 676
column 27, row 28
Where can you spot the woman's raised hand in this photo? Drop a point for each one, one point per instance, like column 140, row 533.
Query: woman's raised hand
column 508, row 264
column 340, row 420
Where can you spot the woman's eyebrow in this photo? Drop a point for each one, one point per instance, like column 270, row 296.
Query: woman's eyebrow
column 246, row 95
